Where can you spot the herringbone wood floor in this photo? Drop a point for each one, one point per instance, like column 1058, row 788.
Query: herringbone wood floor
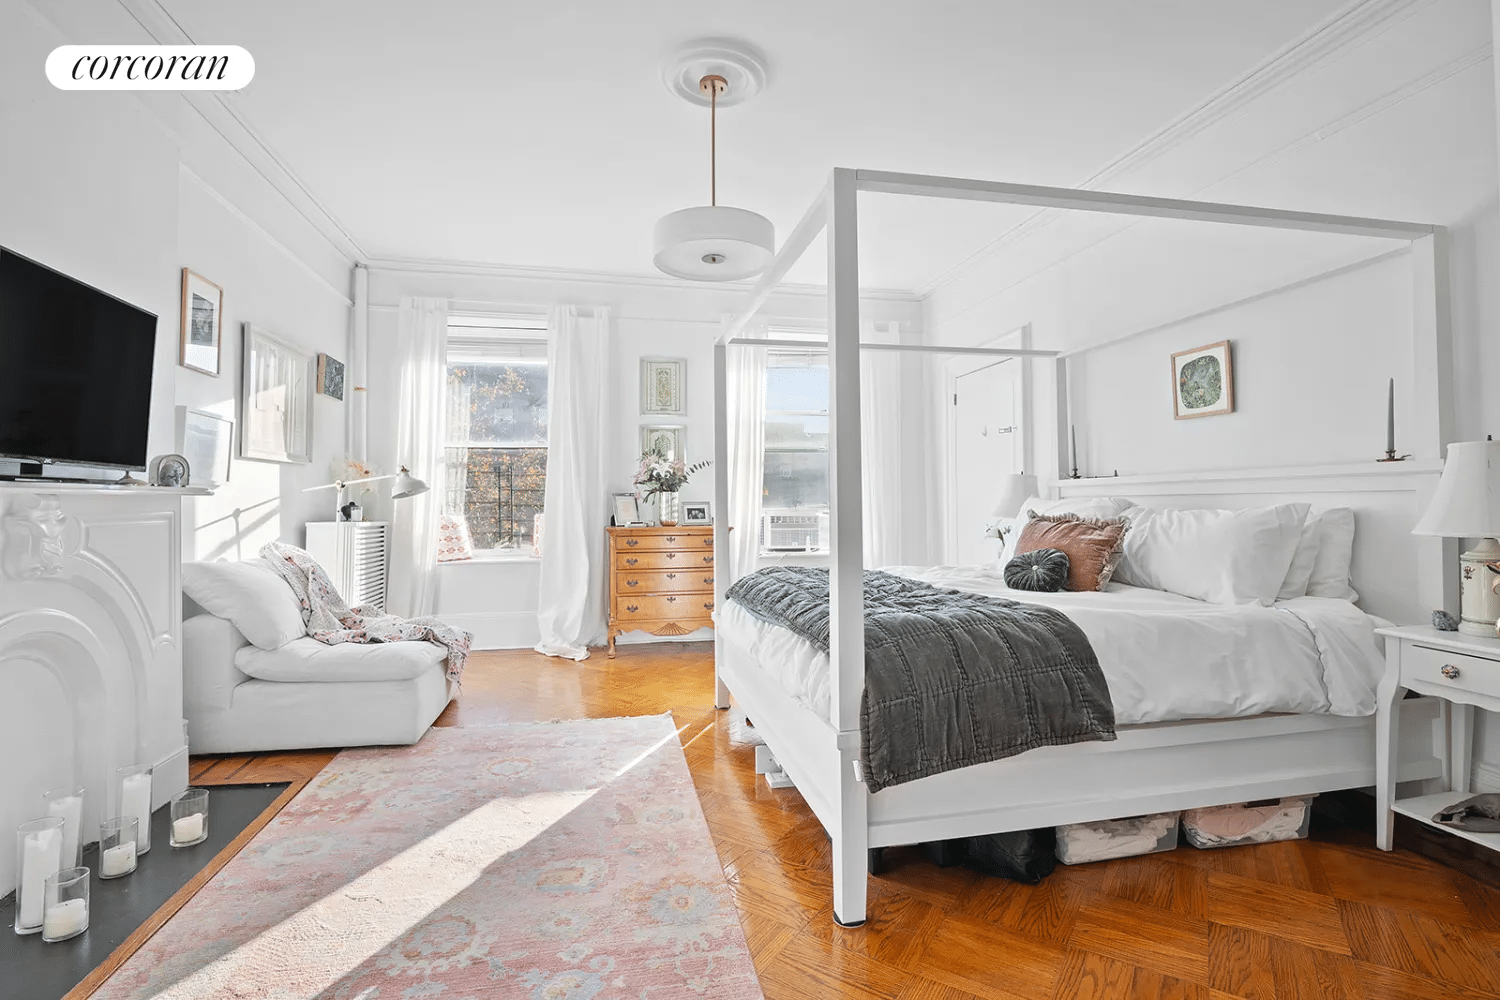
column 1329, row 917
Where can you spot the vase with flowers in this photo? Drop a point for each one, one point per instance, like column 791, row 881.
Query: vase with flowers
column 663, row 477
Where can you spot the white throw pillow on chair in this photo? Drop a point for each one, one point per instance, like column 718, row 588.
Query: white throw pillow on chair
column 251, row 595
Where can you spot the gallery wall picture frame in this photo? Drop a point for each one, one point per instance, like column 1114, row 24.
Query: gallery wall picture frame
column 697, row 512
column 276, row 399
column 664, row 386
column 206, row 440
column 331, row 377
column 1203, row 381
column 202, row 324
column 669, row 439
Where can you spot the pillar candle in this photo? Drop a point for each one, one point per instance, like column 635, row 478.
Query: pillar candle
column 118, row 860
column 66, row 919
column 70, row 808
column 41, row 856
column 187, row 829
column 135, row 800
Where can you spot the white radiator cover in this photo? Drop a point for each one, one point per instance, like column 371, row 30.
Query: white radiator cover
column 90, row 648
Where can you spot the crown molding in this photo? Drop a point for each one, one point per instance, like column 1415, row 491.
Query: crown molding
column 1353, row 25
column 523, row 272
column 218, row 110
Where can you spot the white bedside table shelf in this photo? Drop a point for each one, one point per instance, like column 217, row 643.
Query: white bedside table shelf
column 1464, row 671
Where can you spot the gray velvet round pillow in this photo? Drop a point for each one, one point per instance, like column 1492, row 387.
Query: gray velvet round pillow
column 1040, row 570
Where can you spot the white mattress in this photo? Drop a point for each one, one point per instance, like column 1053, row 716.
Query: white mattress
column 1165, row 657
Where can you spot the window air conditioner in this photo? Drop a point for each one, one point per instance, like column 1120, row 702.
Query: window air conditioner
column 793, row 532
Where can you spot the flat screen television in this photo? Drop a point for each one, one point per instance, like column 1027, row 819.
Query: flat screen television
column 75, row 370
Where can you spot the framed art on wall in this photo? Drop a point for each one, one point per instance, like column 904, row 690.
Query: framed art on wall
column 202, row 323
column 662, row 386
column 1203, row 381
column 330, row 377
column 205, row 440
column 276, row 399
column 668, row 439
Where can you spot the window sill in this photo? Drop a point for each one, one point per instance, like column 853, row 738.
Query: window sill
column 793, row 553
column 489, row 558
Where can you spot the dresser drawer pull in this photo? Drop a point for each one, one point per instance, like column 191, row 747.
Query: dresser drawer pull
column 708, row 579
column 671, row 576
column 632, row 608
column 671, row 538
column 671, row 555
column 1449, row 671
column 709, row 540
column 708, row 605
column 671, row 600
column 632, row 541
column 708, row 559
column 631, row 561
column 632, row 583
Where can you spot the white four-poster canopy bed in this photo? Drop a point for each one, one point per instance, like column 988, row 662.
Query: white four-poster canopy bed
column 1151, row 767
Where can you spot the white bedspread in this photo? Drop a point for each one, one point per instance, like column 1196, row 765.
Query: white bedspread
column 1165, row 657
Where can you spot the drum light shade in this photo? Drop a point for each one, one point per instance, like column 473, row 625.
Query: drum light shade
column 714, row 243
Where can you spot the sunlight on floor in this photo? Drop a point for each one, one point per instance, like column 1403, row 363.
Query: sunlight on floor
column 329, row 939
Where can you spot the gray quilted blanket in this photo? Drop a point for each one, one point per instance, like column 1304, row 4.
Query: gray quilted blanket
column 951, row 678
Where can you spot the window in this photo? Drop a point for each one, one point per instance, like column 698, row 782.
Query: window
column 796, row 462
column 496, row 447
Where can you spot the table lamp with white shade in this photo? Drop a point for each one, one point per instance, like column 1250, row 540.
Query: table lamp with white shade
column 1015, row 489
column 1467, row 505
column 406, row 485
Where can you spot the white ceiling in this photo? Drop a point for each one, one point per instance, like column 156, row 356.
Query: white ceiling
column 541, row 135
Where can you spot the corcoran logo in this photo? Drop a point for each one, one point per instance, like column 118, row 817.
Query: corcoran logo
column 150, row 67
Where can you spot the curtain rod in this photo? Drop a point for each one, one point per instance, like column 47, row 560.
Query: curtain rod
column 1004, row 352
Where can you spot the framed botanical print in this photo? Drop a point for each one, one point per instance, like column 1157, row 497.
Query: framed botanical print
column 330, row 377
column 202, row 323
column 668, row 439
column 276, row 400
column 1203, row 381
column 662, row 386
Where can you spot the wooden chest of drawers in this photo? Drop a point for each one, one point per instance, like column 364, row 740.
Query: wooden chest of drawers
column 661, row 580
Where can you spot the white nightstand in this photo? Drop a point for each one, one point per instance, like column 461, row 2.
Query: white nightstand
column 1463, row 670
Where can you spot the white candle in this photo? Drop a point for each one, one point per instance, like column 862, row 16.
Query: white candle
column 40, row 857
column 118, row 860
column 187, row 829
column 135, row 800
column 70, row 808
column 66, row 919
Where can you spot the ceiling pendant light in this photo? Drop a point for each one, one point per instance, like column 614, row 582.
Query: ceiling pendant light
column 714, row 242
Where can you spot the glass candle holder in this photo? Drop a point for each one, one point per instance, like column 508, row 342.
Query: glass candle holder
column 117, row 855
column 38, row 855
column 190, row 817
column 67, row 912
column 135, row 800
column 68, row 803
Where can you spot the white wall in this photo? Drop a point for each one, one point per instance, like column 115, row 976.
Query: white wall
column 497, row 600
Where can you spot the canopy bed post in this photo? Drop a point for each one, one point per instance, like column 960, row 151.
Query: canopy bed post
column 721, row 505
column 846, row 556
column 1432, row 402
column 1060, row 436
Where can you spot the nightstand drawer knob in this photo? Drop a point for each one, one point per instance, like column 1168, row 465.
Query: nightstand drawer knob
column 1450, row 671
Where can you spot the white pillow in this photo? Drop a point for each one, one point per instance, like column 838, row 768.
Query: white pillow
column 1331, row 527
column 1101, row 508
column 1219, row 556
column 251, row 595
column 1331, row 568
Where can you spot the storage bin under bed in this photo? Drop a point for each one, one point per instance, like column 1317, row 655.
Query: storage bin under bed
column 1263, row 821
column 1104, row 840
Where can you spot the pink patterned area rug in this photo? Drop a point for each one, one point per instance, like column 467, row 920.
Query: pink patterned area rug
column 556, row 861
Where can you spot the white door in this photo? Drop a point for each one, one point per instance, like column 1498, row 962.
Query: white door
column 987, row 447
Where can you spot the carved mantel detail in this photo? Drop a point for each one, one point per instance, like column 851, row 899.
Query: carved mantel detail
column 31, row 537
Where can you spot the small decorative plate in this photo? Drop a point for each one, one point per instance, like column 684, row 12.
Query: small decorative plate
column 169, row 470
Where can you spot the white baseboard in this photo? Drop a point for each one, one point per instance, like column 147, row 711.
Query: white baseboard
column 498, row 629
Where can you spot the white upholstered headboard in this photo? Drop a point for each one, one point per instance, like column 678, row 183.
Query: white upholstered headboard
column 1398, row 575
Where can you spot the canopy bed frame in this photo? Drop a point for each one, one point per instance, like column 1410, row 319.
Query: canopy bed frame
column 1149, row 768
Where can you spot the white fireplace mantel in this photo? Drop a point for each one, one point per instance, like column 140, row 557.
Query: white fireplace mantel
column 90, row 646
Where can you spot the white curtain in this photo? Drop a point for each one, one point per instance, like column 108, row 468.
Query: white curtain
column 880, row 446
column 421, row 402
column 570, row 605
column 746, row 401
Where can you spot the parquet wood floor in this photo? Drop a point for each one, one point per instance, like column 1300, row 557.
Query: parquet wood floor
column 1330, row 917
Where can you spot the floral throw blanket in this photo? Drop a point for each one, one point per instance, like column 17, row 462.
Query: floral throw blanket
column 329, row 620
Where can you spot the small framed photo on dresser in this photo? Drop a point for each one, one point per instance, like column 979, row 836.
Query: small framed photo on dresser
column 699, row 512
column 626, row 510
